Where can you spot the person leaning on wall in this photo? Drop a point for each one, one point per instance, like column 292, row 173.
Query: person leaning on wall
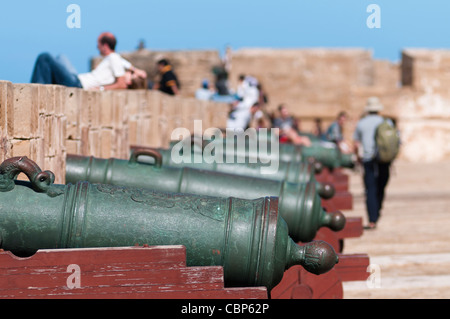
column 335, row 132
column 110, row 74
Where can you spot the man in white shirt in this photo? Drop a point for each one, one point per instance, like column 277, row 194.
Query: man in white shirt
column 108, row 75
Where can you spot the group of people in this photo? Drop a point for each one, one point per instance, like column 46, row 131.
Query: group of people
column 248, row 99
column 113, row 72
column 246, row 102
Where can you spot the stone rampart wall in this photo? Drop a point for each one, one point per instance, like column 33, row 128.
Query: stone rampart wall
column 46, row 122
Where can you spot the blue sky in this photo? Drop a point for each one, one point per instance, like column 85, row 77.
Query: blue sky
column 29, row 27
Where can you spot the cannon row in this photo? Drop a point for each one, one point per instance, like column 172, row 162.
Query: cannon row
column 256, row 228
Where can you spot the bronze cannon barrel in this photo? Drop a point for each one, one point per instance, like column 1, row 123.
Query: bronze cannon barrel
column 326, row 153
column 299, row 204
column 247, row 237
column 293, row 172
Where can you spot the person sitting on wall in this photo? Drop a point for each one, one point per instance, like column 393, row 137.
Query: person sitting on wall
column 204, row 93
column 289, row 128
column 335, row 132
column 259, row 118
column 246, row 96
column 168, row 82
column 108, row 75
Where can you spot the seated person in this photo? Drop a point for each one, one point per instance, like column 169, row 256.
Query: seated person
column 290, row 135
column 289, row 128
column 259, row 118
column 335, row 132
column 204, row 93
column 108, row 75
column 284, row 119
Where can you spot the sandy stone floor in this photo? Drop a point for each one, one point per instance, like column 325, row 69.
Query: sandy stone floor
column 410, row 249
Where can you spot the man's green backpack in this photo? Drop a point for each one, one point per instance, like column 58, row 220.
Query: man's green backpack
column 387, row 141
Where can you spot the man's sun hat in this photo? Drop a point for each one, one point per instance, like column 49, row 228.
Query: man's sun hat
column 373, row 105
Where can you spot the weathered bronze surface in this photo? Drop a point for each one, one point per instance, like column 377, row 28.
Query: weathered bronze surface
column 329, row 155
column 291, row 172
column 324, row 152
column 299, row 204
column 247, row 237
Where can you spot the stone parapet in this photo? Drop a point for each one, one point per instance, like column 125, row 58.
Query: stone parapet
column 46, row 122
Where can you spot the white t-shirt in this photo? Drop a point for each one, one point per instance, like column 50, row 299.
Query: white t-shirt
column 113, row 66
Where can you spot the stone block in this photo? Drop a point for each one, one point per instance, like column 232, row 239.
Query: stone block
column 60, row 99
column 106, row 143
column 37, row 151
column 73, row 147
column 94, row 142
column 72, row 113
column 135, row 135
column 106, row 109
column 26, row 111
column 121, row 146
column 85, row 142
column 5, row 148
column 6, row 109
column 47, row 99
column 20, row 147
column 89, row 110
column 119, row 108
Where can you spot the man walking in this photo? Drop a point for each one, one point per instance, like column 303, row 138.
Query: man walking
column 376, row 173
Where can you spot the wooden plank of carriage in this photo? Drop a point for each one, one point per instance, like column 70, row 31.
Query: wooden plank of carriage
column 114, row 272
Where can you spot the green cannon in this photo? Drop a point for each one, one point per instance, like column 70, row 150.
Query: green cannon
column 326, row 153
column 247, row 237
column 300, row 206
column 291, row 172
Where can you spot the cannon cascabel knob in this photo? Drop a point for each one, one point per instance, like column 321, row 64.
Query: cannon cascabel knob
column 318, row 167
column 317, row 257
column 335, row 220
column 325, row 190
